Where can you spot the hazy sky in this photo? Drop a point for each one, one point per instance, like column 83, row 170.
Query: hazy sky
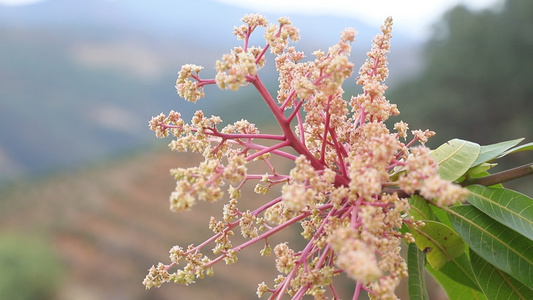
column 413, row 17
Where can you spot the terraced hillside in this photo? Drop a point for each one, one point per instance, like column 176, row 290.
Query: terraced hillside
column 111, row 222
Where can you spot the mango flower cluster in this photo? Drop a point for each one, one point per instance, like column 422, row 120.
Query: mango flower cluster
column 351, row 176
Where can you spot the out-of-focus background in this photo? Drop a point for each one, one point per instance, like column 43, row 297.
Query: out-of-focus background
column 83, row 182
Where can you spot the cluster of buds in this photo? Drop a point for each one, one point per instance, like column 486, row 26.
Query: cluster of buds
column 350, row 176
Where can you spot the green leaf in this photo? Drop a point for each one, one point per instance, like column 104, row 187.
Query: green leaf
column 508, row 207
column 499, row 245
column 441, row 215
column 420, row 209
column 482, row 167
column 525, row 147
column 474, row 171
column 455, row 157
column 498, row 284
column 459, row 269
column 454, row 289
column 440, row 242
column 490, row 152
column 416, row 260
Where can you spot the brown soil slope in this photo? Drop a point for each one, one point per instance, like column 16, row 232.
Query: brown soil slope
column 111, row 222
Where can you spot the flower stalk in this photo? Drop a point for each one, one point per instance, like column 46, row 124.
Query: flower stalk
column 350, row 179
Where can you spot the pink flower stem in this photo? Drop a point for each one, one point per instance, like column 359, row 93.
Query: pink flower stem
column 341, row 153
column 340, row 149
column 270, row 166
column 276, row 178
column 202, row 82
column 281, row 289
column 267, row 150
column 300, row 217
column 284, row 123
column 357, row 291
column 332, row 288
column 266, row 47
column 303, row 257
column 234, row 136
column 164, row 125
column 288, row 100
column 272, row 149
column 325, row 136
column 300, row 127
column 355, row 213
column 301, row 292
column 296, row 111
column 214, row 237
column 215, row 150
column 262, row 54
column 266, row 206
column 213, row 178
column 247, row 38
column 411, row 142
column 325, row 254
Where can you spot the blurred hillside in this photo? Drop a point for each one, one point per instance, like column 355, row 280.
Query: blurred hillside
column 79, row 80
column 110, row 223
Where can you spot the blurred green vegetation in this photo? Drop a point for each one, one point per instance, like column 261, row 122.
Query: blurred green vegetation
column 30, row 270
column 477, row 79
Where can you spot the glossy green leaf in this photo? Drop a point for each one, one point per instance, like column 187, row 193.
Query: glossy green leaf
column 420, row 209
column 499, row 245
column 440, row 243
column 454, row 289
column 498, row 284
column 490, row 152
column 525, row 147
column 455, row 157
column 508, row 207
column 459, row 269
column 416, row 261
